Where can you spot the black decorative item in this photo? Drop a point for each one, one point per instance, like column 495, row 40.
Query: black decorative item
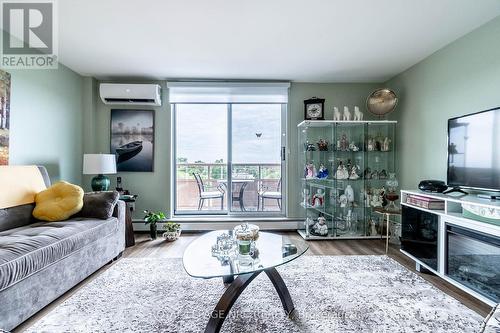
column 314, row 109
column 436, row 186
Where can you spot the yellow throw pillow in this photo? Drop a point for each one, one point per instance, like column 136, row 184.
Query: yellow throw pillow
column 58, row 202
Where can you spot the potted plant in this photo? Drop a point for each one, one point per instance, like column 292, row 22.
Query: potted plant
column 172, row 231
column 152, row 219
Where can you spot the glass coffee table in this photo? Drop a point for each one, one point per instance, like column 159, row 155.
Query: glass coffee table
column 237, row 272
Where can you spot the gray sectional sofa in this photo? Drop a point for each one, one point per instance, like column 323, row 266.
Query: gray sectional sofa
column 40, row 261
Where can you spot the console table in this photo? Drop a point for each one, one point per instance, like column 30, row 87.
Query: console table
column 463, row 251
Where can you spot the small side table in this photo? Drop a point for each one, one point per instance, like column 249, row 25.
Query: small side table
column 387, row 214
column 129, row 228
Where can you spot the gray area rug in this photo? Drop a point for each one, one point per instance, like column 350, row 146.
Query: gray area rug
column 331, row 294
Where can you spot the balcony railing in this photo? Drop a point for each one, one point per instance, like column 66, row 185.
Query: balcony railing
column 255, row 177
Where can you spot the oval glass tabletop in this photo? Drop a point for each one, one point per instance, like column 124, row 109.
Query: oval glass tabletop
column 272, row 250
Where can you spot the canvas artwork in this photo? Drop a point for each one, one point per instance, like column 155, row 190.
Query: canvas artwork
column 132, row 139
column 4, row 117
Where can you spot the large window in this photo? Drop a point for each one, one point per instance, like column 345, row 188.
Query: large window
column 245, row 138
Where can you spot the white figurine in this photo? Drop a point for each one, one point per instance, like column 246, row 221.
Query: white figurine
column 336, row 114
column 373, row 228
column 386, row 144
column 306, row 197
column 376, row 199
column 353, row 147
column 343, row 200
column 349, row 193
column 342, row 172
column 347, row 114
column 358, row 115
column 320, row 227
column 370, row 146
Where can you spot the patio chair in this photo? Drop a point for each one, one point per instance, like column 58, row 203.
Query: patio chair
column 207, row 195
column 264, row 194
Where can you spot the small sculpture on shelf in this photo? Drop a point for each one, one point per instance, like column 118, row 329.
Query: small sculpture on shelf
column 320, row 228
column 322, row 172
column 358, row 115
column 322, row 145
column 373, row 227
column 342, row 172
column 374, row 175
column 365, row 196
column 336, row 114
column 370, row 144
column 343, row 201
column 379, row 140
column 318, row 199
column 349, row 193
column 343, row 143
column 309, row 146
column 382, row 174
column 306, row 197
column 386, row 144
column 377, row 197
column 354, row 172
column 310, row 171
column 368, row 173
column 353, row 147
column 346, row 116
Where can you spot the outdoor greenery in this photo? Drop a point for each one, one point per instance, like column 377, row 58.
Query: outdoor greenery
column 218, row 170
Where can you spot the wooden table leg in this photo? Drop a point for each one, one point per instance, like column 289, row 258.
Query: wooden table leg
column 282, row 290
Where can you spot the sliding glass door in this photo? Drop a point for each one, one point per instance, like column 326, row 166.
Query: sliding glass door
column 211, row 139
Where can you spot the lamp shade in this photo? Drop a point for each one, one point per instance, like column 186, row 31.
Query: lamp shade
column 97, row 164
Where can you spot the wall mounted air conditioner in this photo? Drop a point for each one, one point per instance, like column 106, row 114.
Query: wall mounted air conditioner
column 130, row 94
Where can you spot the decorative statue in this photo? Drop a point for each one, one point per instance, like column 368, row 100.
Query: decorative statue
column 358, row 115
column 347, row 114
column 376, row 198
column 368, row 173
column 322, row 145
column 342, row 172
column 310, row 171
column 349, row 193
column 306, row 197
column 354, row 172
column 309, row 146
column 322, row 172
column 386, row 144
column 382, row 174
column 336, row 114
column 320, row 228
column 373, row 227
column 343, row 200
column 318, row 198
column 370, row 145
column 374, row 175
column 349, row 164
column 353, row 147
column 366, row 197
column 343, row 144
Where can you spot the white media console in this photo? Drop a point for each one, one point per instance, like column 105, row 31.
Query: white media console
column 444, row 224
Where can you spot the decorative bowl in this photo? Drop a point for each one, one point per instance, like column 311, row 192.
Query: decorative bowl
column 171, row 236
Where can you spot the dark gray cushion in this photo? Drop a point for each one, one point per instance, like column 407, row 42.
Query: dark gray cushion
column 98, row 205
column 28, row 249
column 17, row 216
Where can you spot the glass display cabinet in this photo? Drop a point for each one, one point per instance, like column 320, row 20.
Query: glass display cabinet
column 344, row 168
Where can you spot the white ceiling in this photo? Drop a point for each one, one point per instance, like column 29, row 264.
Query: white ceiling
column 299, row 40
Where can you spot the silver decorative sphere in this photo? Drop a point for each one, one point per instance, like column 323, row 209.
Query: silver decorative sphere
column 382, row 101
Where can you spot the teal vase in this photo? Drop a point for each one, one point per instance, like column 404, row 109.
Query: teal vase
column 100, row 183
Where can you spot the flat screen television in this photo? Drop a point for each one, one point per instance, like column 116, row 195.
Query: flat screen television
column 474, row 150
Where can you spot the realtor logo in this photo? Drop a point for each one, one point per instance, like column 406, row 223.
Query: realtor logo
column 29, row 35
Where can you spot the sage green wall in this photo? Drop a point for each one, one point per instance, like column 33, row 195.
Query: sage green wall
column 46, row 118
column 335, row 94
column 153, row 188
column 461, row 78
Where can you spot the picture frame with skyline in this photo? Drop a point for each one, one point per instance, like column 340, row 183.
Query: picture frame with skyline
column 132, row 139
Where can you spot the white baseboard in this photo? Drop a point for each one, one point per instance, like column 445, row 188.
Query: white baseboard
column 204, row 225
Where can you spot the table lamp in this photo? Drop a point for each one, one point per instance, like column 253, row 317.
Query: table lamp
column 99, row 164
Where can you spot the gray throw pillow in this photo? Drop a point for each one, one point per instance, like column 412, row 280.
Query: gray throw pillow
column 99, row 205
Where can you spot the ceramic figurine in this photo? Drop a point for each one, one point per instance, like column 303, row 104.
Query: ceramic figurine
column 343, row 200
column 376, row 198
column 373, row 227
column 370, row 145
column 354, row 172
column 343, row 144
column 306, row 197
column 368, row 173
column 374, row 175
column 347, row 114
column 349, row 164
column 353, row 147
column 336, row 114
column 386, row 144
column 320, row 227
column 322, row 172
column 366, row 197
column 349, row 193
column 358, row 115
column 342, row 172
column 310, row 171
column 378, row 143
column 318, row 198
column 322, row 145
column 309, row 146
column 382, row 174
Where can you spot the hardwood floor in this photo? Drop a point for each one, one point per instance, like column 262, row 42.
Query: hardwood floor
column 146, row 248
